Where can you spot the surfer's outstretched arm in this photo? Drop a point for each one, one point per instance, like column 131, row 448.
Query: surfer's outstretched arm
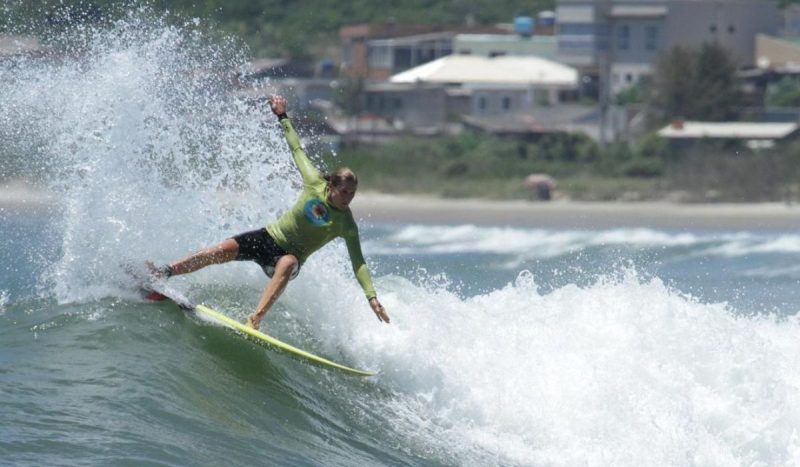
column 310, row 173
column 361, row 271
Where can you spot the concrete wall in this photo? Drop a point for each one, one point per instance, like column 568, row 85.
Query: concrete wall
column 415, row 107
column 732, row 23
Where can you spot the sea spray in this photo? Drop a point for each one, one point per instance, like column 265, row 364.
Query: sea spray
column 148, row 149
column 3, row 301
column 624, row 372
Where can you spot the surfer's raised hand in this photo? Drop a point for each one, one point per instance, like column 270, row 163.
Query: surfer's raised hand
column 277, row 104
column 380, row 312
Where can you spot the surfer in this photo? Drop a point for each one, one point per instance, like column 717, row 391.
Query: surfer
column 321, row 213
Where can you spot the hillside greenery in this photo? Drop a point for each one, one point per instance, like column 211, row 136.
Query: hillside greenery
column 297, row 29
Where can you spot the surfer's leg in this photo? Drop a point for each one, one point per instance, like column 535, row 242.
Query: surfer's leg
column 275, row 287
column 217, row 254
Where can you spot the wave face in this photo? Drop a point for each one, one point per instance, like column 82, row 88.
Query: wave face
column 507, row 346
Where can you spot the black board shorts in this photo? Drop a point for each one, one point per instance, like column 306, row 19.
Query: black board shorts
column 259, row 246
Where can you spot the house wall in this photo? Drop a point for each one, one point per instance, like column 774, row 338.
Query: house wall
column 499, row 102
column 577, row 29
column 733, row 23
column 504, row 44
column 414, row 107
column 586, row 27
column 386, row 57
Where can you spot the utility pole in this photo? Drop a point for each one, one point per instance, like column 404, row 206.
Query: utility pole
column 605, row 58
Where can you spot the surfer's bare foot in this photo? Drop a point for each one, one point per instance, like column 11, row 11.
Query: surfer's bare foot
column 253, row 321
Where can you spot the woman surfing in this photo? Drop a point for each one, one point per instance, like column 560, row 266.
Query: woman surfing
column 321, row 214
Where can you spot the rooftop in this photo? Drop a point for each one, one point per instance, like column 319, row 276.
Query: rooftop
column 507, row 69
column 728, row 130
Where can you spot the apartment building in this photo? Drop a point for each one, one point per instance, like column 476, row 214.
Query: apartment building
column 623, row 38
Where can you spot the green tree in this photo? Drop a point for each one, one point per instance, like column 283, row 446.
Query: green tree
column 785, row 93
column 630, row 95
column 695, row 84
column 716, row 88
column 672, row 90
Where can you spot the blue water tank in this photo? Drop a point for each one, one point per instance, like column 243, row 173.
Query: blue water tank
column 523, row 25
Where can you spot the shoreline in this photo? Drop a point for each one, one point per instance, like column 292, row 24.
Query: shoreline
column 373, row 207
column 18, row 196
column 663, row 215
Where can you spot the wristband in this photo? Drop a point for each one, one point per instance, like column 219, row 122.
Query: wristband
column 282, row 116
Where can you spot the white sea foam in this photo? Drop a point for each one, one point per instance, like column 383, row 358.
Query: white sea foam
column 625, row 372
column 3, row 301
column 540, row 243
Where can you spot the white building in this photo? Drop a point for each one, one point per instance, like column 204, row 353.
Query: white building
column 497, row 85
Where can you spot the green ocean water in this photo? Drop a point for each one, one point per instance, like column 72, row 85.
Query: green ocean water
column 527, row 372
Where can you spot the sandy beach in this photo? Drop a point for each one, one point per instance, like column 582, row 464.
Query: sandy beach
column 384, row 208
column 577, row 215
column 20, row 196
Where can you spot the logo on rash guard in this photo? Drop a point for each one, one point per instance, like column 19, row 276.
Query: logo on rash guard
column 316, row 212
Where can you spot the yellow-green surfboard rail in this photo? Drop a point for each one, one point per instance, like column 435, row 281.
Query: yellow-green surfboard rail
column 264, row 338
column 151, row 284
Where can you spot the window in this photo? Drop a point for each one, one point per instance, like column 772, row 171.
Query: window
column 579, row 29
column 402, row 58
column 623, row 37
column 541, row 96
column 651, row 38
column 347, row 53
column 506, row 103
column 565, row 45
column 378, row 56
column 482, row 103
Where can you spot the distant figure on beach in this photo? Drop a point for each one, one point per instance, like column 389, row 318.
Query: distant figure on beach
column 320, row 214
column 540, row 186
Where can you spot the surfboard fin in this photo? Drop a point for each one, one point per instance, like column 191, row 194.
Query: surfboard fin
column 154, row 296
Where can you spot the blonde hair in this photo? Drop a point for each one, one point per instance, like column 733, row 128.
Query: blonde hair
column 342, row 176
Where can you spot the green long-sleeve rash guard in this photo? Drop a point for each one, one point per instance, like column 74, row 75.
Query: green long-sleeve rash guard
column 312, row 222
